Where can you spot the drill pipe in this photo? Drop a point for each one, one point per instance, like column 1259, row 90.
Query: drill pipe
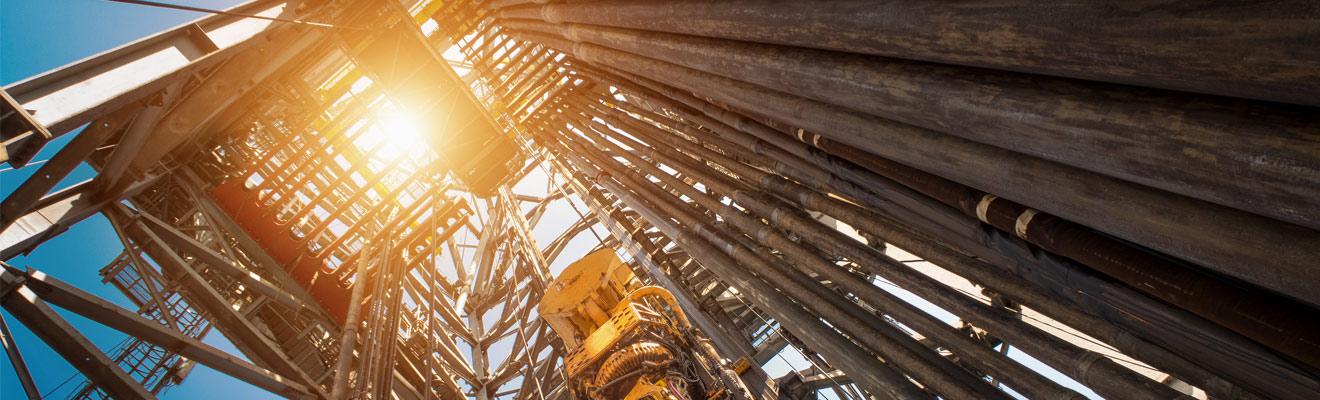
column 1155, row 321
column 1110, row 379
column 897, row 347
column 1226, row 240
column 996, row 364
column 1063, row 120
column 1255, row 314
column 843, row 176
column 872, row 375
column 861, row 325
column 1259, row 50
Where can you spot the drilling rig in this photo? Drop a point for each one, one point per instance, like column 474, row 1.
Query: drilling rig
column 624, row 340
column 850, row 199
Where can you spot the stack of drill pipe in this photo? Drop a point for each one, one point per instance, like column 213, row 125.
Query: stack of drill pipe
column 1111, row 379
column 1158, row 156
column 871, row 374
column 1202, row 342
column 984, row 358
column 1231, row 345
column 1014, row 134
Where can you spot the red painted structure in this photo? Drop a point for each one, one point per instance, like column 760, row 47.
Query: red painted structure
column 329, row 285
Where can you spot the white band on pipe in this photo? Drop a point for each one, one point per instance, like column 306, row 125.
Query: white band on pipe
column 984, row 206
column 1023, row 222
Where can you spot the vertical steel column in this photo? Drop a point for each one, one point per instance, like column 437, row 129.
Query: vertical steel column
column 348, row 338
column 16, row 359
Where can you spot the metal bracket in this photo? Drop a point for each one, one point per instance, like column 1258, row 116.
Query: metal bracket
column 11, row 278
column 21, row 136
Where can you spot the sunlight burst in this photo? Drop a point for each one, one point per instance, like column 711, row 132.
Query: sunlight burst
column 402, row 133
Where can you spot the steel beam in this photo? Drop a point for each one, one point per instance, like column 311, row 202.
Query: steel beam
column 45, row 323
column 190, row 246
column 16, row 359
column 201, row 294
column 88, row 89
column 21, row 136
column 55, row 213
column 223, row 222
column 66, row 296
column 134, row 137
column 26, row 195
column 194, row 112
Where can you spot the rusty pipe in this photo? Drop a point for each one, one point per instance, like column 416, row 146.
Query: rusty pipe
column 1109, row 378
column 1226, row 240
column 1177, row 142
column 898, row 347
column 1020, row 378
column 1228, row 355
column 1268, row 51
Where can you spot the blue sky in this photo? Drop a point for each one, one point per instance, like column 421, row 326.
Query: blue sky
column 37, row 36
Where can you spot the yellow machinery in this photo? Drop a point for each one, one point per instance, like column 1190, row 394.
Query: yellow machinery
column 625, row 340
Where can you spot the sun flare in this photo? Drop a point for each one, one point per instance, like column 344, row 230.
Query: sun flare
column 399, row 133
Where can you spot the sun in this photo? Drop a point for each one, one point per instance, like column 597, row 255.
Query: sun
column 400, row 132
